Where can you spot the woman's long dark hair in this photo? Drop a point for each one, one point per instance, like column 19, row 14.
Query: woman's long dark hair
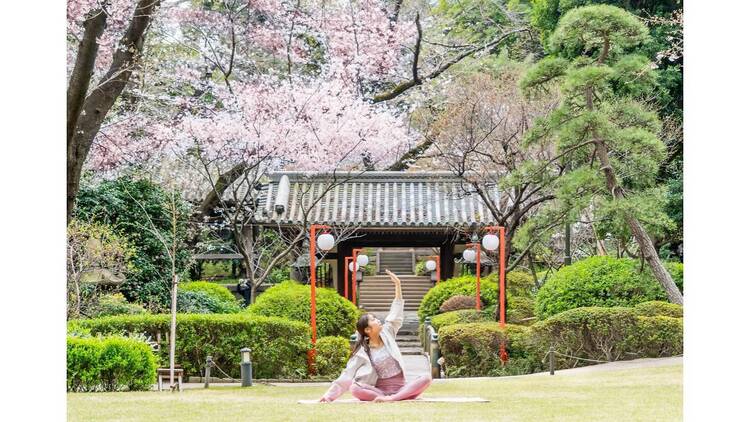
column 362, row 341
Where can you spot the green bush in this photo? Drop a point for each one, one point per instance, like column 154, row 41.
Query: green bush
column 279, row 345
column 464, row 285
column 455, row 303
column 331, row 355
column 201, row 302
column 421, row 269
column 472, row 350
column 336, row 316
column 115, row 304
column 659, row 308
column 519, row 285
column 109, row 364
column 461, row 316
column 659, row 336
column 214, row 290
column 676, row 269
column 597, row 281
column 278, row 275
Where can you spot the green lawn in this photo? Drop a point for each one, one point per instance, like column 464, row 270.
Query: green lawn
column 646, row 394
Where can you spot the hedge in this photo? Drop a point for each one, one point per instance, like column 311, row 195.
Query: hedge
column 109, row 364
column 461, row 316
column 472, row 350
column 331, row 355
column 604, row 334
column 607, row 334
column 279, row 346
column 597, row 281
column 212, row 289
column 659, row 336
column 336, row 316
column 659, row 308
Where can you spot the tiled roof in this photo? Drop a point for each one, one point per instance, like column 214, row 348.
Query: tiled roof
column 375, row 199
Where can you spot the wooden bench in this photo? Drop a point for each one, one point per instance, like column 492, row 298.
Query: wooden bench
column 163, row 374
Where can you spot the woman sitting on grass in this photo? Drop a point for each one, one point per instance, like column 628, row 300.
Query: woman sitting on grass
column 375, row 370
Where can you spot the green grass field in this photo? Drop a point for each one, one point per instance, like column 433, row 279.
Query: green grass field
column 644, row 394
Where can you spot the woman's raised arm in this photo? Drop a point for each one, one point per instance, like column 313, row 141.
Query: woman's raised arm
column 397, row 282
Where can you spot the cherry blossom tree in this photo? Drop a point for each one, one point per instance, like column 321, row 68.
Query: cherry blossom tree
column 106, row 39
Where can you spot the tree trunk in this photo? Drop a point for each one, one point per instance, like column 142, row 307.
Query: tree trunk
column 173, row 331
column 84, row 124
column 253, row 290
column 644, row 241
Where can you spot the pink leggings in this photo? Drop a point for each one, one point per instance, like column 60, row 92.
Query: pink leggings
column 409, row 391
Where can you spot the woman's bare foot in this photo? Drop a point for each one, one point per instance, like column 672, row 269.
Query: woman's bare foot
column 382, row 399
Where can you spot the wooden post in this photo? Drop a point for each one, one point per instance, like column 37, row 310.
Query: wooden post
column 434, row 356
column 209, row 363
column 551, row 360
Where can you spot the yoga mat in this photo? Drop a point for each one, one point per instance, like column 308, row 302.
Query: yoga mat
column 419, row 400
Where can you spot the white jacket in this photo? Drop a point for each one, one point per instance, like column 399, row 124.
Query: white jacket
column 359, row 369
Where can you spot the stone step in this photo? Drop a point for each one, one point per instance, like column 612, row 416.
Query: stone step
column 376, row 308
column 408, row 298
column 411, row 350
column 389, row 285
column 409, row 301
column 392, row 291
column 402, row 278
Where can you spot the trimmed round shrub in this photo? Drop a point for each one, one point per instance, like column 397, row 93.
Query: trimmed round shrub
column 659, row 336
column 461, row 316
column 464, row 286
column 472, row 350
column 597, row 281
column 455, row 303
column 336, row 316
column 115, row 304
column 109, row 364
column 518, row 283
column 659, row 308
column 279, row 345
column 202, row 302
column 607, row 334
column 214, row 290
column 603, row 334
column 520, row 310
column 331, row 355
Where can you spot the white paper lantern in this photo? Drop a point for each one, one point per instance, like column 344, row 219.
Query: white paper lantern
column 362, row 260
column 325, row 242
column 469, row 255
column 430, row 265
column 351, row 267
column 490, row 242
